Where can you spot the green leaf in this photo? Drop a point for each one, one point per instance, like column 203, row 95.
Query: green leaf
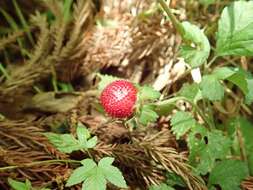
column 197, row 54
column 105, row 80
column 82, row 133
column 223, row 73
column 81, row 173
column 17, row 185
column 246, row 129
column 174, row 179
column 91, row 143
column 162, row 186
column 211, row 88
column 191, row 92
column 207, row 2
column 235, row 30
column 206, row 147
column 94, row 177
column 239, row 79
column 148, row 93
column 249, row 95
column 147, row 115
column 111, row 173
column 65, row 143
column 244, row 81
column 228, row 174
column 96, row 181
column 181, row 123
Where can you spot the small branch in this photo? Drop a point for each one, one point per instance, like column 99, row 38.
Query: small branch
column 172, row 17
column 198, row 110
column 27, row 165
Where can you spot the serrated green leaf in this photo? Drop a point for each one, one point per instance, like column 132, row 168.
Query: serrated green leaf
column 206, row 147
column 81, row 173
column 111, row 173
column 65, row 143
column 94, row 176
column 96, row 181
column 211, row 88
column 91, row 143
column 162, row 186
column 148, row 93
column 17, row 185
column 82, row 133
column 228, row 174
column 105, row 80
column 147, row 115
column 191, row 92
column 195, row 55
column 181, row 123
column 235, row 30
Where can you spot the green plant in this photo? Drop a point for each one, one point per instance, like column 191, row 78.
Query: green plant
column 209, row 145
column 94, row 176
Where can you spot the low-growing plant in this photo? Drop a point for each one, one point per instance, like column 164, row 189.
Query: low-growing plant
column 221, row 153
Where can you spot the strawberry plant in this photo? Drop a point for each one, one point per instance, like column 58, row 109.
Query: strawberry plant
column 140, row 95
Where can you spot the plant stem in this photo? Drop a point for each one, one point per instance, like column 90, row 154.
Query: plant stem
column 198, row 110
column 172, row 17
column 211, row 61
column 38, row 163
column 4, row 72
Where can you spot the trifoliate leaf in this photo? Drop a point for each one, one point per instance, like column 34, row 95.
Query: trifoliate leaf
column 162, row 186
column 95, row 181
column 105, row 80
column 111, row 173
column 148, row 93
column 65, row 143
column 147, row 115
column 191, row 92
column 181, row 123
column 17, row 185
column 82, row 133
column 197, row 52
column 81, row 173
column 94, row 177
column 211, row 88
column 235, row 30
column 206, row 147
column 228, row 174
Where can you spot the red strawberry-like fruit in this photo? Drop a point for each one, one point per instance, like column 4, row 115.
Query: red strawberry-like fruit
column 118, row 98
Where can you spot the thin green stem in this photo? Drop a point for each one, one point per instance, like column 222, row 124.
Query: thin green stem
column 172, row 17
column 4, row 72
column 26, row 165
column 198, row 110
column 211, row 61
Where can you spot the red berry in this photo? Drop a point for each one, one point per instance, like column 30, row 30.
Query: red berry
column 118, row 98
